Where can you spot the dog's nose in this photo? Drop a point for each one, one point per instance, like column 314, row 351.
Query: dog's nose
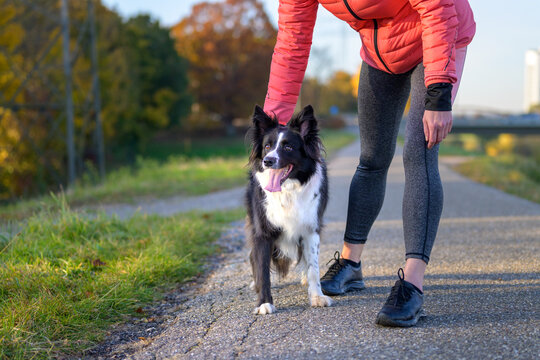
column 269, row 161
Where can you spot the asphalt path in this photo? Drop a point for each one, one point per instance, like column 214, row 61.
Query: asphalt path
column 482, row 288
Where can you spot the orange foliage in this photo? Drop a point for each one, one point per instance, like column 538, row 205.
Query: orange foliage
column 229, row 46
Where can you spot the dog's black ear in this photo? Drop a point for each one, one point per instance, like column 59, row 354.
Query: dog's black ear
column 262, row 121
column 261, row 124
column 305, row 122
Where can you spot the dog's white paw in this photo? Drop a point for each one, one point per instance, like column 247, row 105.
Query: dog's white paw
column 320, row 301
column 304, row 280
column 264, row 309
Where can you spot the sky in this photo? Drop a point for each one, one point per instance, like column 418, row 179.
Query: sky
column 494, row 70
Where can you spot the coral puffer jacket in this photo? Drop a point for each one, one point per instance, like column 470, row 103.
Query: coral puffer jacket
column 396, row 36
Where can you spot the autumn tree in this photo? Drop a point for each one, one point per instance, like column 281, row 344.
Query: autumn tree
column 340, row 92
column 229, row 46
column 337, row 91
column 158, row 80
column 143, row 89
column 26, row 90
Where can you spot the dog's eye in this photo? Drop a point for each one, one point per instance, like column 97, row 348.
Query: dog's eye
column 267, row 147
column 288, row 148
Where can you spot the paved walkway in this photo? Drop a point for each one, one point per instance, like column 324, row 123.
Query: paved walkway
column 220, row 200
column 482, row 289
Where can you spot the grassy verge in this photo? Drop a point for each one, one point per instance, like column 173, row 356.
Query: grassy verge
column 334, row 140
column 449, row 148
column 456, row 145
column 149, row 178
column 65, row 278
column 225, row 147
column 507, row 162
column 510, row 163
column 234, row 147
column 199, row 168
column 514, row 174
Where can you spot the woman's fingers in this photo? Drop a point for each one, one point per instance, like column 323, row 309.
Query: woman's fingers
column 426, row 128
column 437, row 125
column 449, row 126
column 432, row 135
column 441, row 134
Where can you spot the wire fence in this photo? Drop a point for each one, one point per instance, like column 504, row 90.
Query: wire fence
column 50, row 125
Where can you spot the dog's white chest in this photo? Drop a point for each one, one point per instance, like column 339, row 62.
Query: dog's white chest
column 295, row 208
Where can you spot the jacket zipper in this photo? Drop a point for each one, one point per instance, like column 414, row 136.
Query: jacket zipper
column 376, row 30
column 351, row 11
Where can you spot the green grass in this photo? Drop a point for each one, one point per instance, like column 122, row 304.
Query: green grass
column 177, row 175
column 224, row 147
column 148, row 178
column 514, row 174
column 64, row 278
column 231, row 147
column 453, row 145
column 507, row 162
column 207, row 166
column 334, row 140
column 451, row 149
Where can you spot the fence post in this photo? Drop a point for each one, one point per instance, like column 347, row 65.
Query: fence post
column 70, row 144
column 96, row 90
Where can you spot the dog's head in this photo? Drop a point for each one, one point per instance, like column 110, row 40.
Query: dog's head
column 290, row 151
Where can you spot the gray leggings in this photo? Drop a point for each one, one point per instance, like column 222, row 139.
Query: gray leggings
column 381, row 102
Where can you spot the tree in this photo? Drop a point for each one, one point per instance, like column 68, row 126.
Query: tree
column 229, row 46
column 158, row 76
column 143, row 88
column 338, row 90
column 11, row 163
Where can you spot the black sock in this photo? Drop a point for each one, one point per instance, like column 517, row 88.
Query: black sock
column 355, row 264
column 417, row 289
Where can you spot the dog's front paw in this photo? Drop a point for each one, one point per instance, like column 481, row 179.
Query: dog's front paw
column 304, row 280
column 320, row 301
column 264, row 309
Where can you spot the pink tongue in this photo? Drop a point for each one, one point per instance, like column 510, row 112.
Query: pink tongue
column 274, row 183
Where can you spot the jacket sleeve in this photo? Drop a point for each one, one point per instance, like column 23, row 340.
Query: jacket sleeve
column 290, row 58
column 439, row 34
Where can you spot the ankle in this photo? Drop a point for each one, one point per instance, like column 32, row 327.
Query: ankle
column 414, row 272
column 417, row 282
column 352, row 252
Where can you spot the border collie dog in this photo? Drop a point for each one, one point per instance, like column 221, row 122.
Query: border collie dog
column 286, row 198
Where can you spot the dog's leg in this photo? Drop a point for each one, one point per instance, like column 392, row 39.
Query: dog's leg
column 303, row 266
column 311, row 257
column 260, row 262
column 303, row 278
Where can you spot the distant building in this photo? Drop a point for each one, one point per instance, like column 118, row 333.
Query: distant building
column 532, row 79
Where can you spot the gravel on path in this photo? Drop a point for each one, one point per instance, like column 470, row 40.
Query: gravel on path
column 482, row 289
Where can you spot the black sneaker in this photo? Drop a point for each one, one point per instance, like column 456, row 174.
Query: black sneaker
column 341, row 277
column 403, row 307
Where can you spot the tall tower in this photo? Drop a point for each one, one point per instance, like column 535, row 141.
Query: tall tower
column 532, row 79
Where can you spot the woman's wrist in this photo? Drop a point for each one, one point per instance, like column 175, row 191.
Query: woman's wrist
column 439, row 97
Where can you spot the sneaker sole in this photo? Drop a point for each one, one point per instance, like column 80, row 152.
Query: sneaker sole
column 350, row 286
column 384, row 320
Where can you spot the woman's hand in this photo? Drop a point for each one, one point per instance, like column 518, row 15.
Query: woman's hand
column 437, row 125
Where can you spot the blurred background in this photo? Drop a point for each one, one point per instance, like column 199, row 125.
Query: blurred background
column 109, row 98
